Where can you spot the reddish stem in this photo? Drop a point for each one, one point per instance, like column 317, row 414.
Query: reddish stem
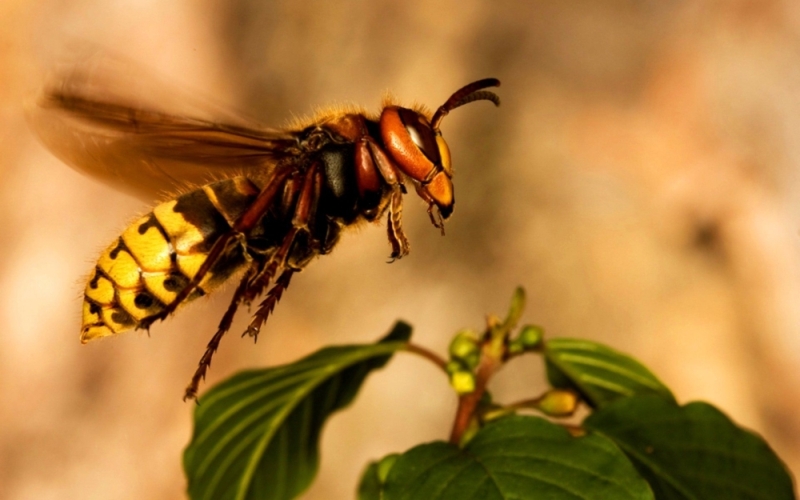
column 429, row 355
column 468, row 403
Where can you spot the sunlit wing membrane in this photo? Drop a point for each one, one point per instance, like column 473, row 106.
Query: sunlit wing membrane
column 143, row 151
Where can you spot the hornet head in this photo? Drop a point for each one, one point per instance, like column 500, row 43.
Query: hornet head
column 420, row 151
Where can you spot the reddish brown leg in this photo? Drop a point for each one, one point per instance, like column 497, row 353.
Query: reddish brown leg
column 264, row 278
column 213, row 344
column 397, row 237
column 257, row 278
column 268, row 304
column 394, row 178
column 303, row 211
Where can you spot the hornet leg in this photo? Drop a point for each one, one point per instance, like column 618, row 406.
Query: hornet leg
column 246, row 222
column 213, row 344
column 370, row 157
column 306, row 203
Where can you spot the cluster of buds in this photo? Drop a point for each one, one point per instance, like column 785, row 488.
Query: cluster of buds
column 466, row 351
column 473, row 360
column 530, row 338
column 465, row 355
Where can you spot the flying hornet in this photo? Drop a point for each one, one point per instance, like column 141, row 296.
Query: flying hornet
column 255, row 203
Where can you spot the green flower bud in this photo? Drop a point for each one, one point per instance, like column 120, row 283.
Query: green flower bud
column 454, row 366
column 558, row 403
column 464, row 344
column 515, row 347
column 463, row 382
column 531, row 337
column 472, row 360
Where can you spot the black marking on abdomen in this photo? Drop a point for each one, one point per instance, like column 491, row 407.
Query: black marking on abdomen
column 93, row 283
column 231, row 202
column 197, row 210
column 120, row 247
column 94, row 308
column 152, row 222
column 120, row 317
column 144, row 300
column 175, row 282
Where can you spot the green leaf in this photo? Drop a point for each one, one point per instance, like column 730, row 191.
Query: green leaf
column 517, row 458
column 600, row 374
column 374, row 478
column 370, row 487
column 692, row 452
column 256, row 434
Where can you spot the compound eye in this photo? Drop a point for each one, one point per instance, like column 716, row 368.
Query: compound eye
column 421, row 134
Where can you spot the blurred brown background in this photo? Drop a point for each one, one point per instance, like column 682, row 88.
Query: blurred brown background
column 641, row 180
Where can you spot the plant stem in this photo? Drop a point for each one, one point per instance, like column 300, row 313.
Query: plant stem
column 427, row 354
column 494, row 350
column 468, row 403
column 503, row 410
column 526, row 403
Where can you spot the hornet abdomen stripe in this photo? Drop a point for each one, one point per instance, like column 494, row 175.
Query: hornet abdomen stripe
column 156, row 256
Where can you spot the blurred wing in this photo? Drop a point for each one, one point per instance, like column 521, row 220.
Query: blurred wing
column 127, row 143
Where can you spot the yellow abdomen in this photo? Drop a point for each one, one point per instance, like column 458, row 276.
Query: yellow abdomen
column 155, row 258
